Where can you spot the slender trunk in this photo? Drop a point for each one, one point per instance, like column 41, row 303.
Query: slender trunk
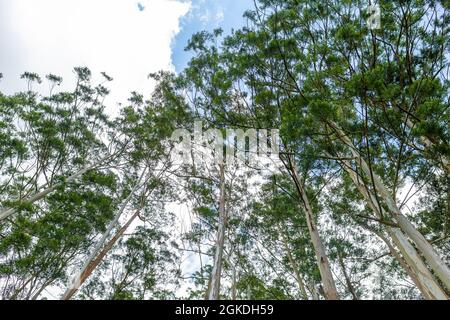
column 426, row 249
column 233, row 285
column 314, row 293
column 348, row 281
column 78, row 279
column 22, row 287
column 428, row 286
column 6, row 212
column 294, row 266
column 329, row 286
column 216, row 272
column 432, row 257
column 94, row 263
column 42, row 288
column 405, row 267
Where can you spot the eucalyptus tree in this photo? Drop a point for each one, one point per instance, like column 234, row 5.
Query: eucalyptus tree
column 145, row 126
column 217, row 195
column 208, row 95
column 284, row 233
column 141, row 267
column 54, row 197
column 57, row 139
column 228, row 77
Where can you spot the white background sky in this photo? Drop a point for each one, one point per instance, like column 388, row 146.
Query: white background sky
column 53, row 36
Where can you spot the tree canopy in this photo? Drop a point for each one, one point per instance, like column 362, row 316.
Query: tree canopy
column 354, row 205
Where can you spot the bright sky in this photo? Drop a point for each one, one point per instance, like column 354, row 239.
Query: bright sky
column 118, row 37
column 127, row 39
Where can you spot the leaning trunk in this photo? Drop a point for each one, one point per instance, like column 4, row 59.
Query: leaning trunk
column 329, row 286
column 294, row 266
column 94, row 263
column 80, row 277
column 6, row 212
column 348, row 281
column 425, row 248
column 423, row 278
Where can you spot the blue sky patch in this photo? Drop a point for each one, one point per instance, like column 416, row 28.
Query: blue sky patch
column 207, row 15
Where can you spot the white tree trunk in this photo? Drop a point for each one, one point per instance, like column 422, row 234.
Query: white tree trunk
column 426, row 249
column 78, row 279
column 428, row 286
column 329, row 286
column 412, row 273
column 214, row 288
column 85, row 273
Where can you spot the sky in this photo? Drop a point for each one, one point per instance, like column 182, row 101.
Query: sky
column 207, row 15
column 127, row 39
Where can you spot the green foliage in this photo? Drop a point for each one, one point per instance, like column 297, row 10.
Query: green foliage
column 312, row 69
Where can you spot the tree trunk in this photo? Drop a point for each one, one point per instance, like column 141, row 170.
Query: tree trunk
column 85, row 273
column 428, row 285
column 214, row 289
column 81, row 276
column 348, row 281
column 426, row 249
column 329, row 286
column 405, row 267
column 293, row 264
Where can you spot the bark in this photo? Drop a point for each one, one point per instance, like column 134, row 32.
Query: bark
column 425, row 248
column 427, row 284
column 405, row 267
column 423, row 278
column 94, row 263
column 77, row 280
column 214, row 288
column 329, row 286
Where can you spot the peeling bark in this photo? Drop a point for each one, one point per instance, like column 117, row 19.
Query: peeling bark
column 94, row 263
column 80, row 277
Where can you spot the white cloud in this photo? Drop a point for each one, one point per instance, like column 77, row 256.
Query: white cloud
column 53, row 36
